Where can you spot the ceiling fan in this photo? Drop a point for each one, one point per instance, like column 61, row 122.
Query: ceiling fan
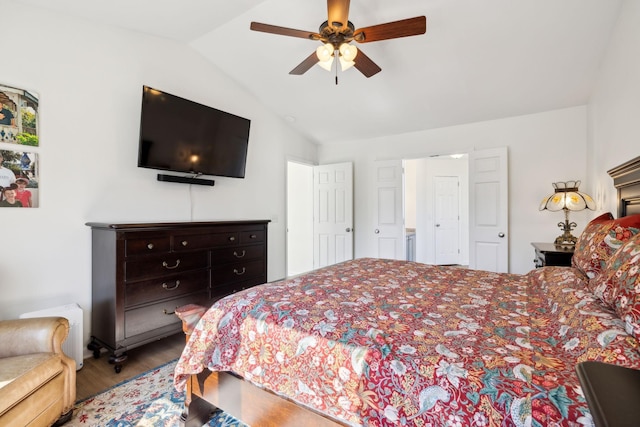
column 337, row 32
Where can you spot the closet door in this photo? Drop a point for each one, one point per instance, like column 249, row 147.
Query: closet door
column 333, row 214
column 488, row 208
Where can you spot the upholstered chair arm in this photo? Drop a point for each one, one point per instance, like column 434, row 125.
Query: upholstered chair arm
column 36, row 335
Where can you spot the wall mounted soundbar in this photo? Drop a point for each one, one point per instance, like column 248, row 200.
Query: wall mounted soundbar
column 185, row 180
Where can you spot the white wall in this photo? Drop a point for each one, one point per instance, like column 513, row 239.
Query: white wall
column 543, row 148
column 90, row 79
column 614, row 109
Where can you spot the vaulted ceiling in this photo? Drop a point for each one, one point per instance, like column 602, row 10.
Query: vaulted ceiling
column 479, row 59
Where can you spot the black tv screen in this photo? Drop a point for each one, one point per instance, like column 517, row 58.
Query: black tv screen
column 183, row 136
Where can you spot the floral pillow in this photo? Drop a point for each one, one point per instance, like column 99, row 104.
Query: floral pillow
column 618, row 285
column 600, row 239
column 556, row 277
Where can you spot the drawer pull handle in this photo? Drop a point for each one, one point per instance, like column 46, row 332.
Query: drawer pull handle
column 169, row 313
column 239, row 256
column 240, row 273
column 184, row 243
column 170, row 288
column 150, row 246
column 253, row 236
column 165, row 265
column 231, row 239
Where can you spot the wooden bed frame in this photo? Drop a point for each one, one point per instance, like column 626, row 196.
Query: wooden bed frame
column 626, row 179
column 259, row 407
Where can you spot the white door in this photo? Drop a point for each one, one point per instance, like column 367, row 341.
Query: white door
column 488, row 207
column 333, row 214
column 446, row 219
column 388, row 231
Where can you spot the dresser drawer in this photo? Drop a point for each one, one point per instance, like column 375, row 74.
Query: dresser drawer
column 160, row 266
column 257, row 236
column 166, row 287
column 235, row 254
column 155, row 316
column 236, row 272
column 189, row 242
column 147, row 246
column 222, row 291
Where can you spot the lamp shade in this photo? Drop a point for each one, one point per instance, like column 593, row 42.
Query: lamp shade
column 567, row 197
column 324, row 52
column 345, row 65
column 348, row 52
column 326, row 64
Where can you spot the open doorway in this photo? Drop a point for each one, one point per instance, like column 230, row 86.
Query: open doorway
column 299, row 218
column 483, row 244
column 319, row 215
column 436, row 205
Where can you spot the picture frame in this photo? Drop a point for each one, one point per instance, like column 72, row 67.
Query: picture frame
column 19, row 142
column 18, row 116
column 19, row 173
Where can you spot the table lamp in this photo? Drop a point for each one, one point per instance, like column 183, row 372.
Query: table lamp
column 566, row 197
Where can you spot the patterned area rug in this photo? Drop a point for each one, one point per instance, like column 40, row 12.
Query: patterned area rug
column 148, row 400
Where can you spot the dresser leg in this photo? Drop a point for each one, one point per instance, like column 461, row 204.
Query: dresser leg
column 95, row 347
column 117, row 360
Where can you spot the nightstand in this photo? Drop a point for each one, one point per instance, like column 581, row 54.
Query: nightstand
column 548, row 254
column 612, row 393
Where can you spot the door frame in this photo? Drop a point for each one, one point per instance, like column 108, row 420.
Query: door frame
column 305, row 206
column 299, row 210
column 427, row 168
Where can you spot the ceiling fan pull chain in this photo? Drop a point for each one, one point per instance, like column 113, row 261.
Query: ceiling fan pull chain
column 336, row 72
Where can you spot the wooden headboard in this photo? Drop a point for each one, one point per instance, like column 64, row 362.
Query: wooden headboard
column 626, row 178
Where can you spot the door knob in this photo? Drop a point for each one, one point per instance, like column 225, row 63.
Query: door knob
column 501, row 235
column 377, row 231
column 437, row 225
column 348, row 230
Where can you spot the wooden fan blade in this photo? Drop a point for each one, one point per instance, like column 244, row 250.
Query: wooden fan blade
column 283, row 31
column 392, row 30
column 305, row 65
column 365, row 65
column 338, row 11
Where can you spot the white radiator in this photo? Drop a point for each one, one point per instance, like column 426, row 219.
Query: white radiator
column 72, row 346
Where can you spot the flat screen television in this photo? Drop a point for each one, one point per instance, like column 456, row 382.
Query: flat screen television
column 184, row 136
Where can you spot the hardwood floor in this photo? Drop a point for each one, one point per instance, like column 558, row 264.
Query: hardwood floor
column 98, row 375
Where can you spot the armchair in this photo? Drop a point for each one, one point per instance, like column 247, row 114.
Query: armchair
column 37, row 380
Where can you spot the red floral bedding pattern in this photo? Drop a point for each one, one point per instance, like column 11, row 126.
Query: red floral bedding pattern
column 385, row 343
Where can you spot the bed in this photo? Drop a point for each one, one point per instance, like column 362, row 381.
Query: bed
column 384, row 342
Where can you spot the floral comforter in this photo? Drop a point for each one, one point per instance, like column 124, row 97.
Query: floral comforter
column 384, row 343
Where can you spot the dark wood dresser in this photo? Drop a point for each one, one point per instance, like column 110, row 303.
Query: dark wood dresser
column 142, row 272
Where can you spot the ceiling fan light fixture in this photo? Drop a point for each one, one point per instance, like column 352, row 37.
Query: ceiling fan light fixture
column 326, row 64
column 348, row 52
column 324, row 52
column 337, row 32
column 345, row 65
